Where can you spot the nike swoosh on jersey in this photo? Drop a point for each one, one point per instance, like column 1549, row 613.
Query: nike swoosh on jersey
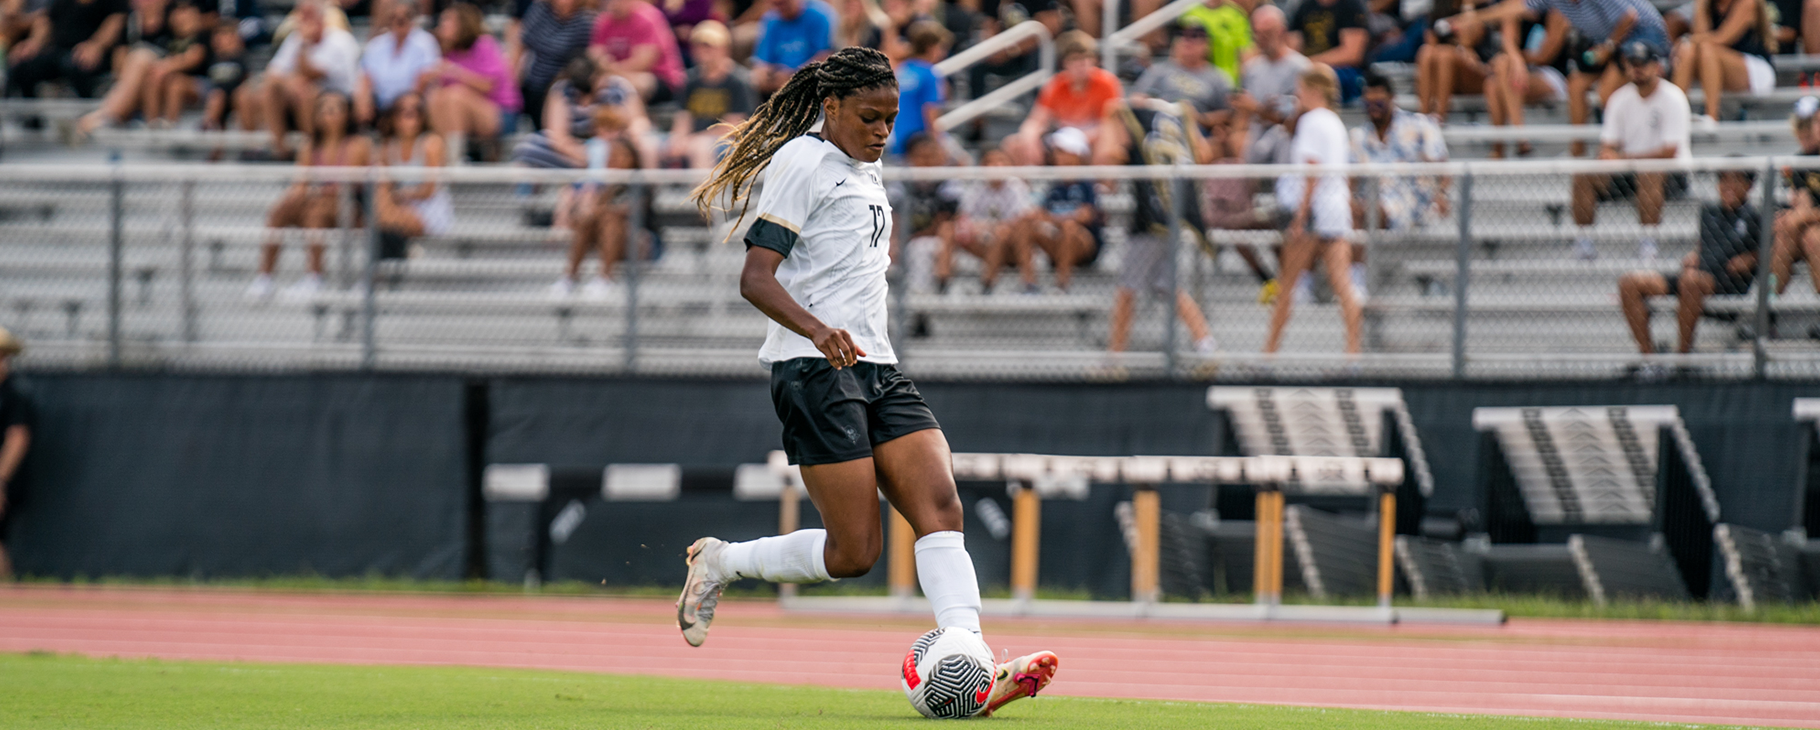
column 843, row 181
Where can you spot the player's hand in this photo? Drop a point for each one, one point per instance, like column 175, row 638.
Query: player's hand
column 838, row 346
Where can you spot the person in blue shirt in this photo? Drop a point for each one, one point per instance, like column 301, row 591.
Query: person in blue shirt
column 920, row 91
column 797, row 32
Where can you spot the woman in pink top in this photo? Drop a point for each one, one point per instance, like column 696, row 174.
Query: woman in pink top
column 633, row 39
column 472, row 92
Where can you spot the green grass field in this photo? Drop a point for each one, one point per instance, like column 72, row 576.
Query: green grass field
column 57, row 691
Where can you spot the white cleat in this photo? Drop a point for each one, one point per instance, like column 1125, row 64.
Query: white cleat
column 1019, row 678
column 701, row 591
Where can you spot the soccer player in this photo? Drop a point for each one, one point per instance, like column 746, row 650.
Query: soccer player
column 816, row 257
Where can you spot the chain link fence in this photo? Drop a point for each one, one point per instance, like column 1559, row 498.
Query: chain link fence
column 1492, row 277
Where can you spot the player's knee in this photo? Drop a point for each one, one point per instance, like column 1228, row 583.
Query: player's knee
column 853, row 558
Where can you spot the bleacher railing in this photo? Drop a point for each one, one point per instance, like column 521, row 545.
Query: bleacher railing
column 140, row 266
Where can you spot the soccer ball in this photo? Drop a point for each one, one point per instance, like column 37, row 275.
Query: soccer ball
column 948, row 674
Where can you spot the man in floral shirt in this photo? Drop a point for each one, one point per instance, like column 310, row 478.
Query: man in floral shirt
column 1393, row 135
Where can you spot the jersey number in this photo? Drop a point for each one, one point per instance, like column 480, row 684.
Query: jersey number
column 878, row 223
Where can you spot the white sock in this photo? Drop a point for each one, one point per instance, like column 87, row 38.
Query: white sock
column 793, row 558
column 946, row 572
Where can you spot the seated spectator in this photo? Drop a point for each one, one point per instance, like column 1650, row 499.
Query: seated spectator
column 332, row 16
column 394, row 62
column 1267, row 100
column 1730, row 48
column 994, row 224
column 313, row 205
column 73, row 41
column 246, row 17
column 632, row 39
column 17, row 18
column 227, row 71
column 920, row 91
column 1797, row 238
column 1333, row 32
column 1148, row 264
column 864, row 23
column 1068, row 225
column 550, row 34
column 1187, row 76
column 683, row 16
column 1080, row 97
column 1317, row 210
column 717, row 97
column 1228, row 26
column 1602, row 26
column 1645, row 120
column 140, row 85
column 928, row 209
column 1798, row 20
column 1391, row 135
column 1529, row 69
column 1397, row 30
column 1724, row 263
column 1227, row 202
column 418, row 207
column 471, row 93
column 569, row 113
column 1455, row 60
column 601, row 213
column 794, row 33
column 312, row 59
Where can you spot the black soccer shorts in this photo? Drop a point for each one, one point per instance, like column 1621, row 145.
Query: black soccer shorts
column 831, row 416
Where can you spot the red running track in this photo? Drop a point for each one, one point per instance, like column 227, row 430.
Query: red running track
column 1679, row 672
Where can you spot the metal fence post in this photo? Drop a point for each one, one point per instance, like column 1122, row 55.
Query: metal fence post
column 635, row 225
column 1462, row 273
column 1170, row 313
column 186, row 214
column 369, row 311
column 1766, row 246
column 116, row 245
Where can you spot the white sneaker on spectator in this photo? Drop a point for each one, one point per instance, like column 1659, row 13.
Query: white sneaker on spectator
column 305, row 288
column 1304, row 289
column 1583, row 249
column 1646, row 249
column 1360, row 291
column 1703, row 123
column 1206, row 346
column 598, row 289
column 260, row 289
column 563, row 288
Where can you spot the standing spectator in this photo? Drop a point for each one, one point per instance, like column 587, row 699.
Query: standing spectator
column 71, row 40
column 1148, row 263
column 1080, row 97
column 1391, row 135
column 795, row 33
column 414, row 208
column 1529, row 69
column 718, row 92
column 17, row 419
column 1730, row 49
column 1725, row 263
column 1797, row 236
column 920, row 91
column 1645, row 120
column 313, row 205
column 312, row 59
column 1317, row 207
column 994, row 224
column 551, row 33
column 1187, row 76
column 632, row 39
column 1333, row 32
column 472, row 93
column 394, row 62
column 182, row 47
column 1267, row 99
column 226, row 72
column 1069, row 222
column 1228, row 25
column 1455, row 60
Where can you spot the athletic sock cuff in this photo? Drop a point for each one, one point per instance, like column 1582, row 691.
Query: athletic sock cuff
column 939, row 540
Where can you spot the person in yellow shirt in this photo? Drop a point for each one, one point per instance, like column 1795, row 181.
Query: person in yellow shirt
column 1228, row 24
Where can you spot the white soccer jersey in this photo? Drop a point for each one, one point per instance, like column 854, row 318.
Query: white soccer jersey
column 828, row 214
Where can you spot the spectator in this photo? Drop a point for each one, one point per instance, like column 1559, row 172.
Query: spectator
column 1319, row 216
column 472, row 93
column 72, row 40
column 1187, row 76
column 683, row 16
column 920, row 90
column 1455, row 60
column 1603, row 25
column 1730, row 48
column 1089, row 15
column 550, row 34
column 313, row 205
column 1397, row 29
column 1227, row 204
column 1333, row 32
column 1267, row 100
column 312, row 59
column 394, row 62
column 17, row 18
column 928, row 209
column 1797, row 238
column 246, row 17
column 1228, row 25
column 601, row 212
column 718, row 92
column 632, row 39
column 1724, row 263
column 1080, row 97
column 1645, row 120
column 1798, row 19
column 411, row 209
column 1148, row 263
column 18, row 418
column 178, row 50
column 569, row 113
column 795, row 33
column 1390, row 136
column 1068, row 228
column 994, row 225
column 1525, row 72
column 863, row 23
column 227, row 71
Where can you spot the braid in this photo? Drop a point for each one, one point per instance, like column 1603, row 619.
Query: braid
column 789, row 114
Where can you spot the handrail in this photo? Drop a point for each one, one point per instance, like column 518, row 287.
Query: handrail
column 1113, row 40
column 1045, row 68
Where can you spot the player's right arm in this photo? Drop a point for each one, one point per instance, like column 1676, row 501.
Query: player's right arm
column 792, row 189
column 758, row 284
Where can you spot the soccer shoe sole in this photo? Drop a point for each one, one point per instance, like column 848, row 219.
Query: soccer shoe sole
column 1021, row 677
column 693, row 617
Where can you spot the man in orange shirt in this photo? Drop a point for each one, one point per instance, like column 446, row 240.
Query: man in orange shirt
column 1081, row 96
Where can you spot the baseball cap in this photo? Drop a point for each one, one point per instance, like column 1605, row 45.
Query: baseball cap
column 1071, row 141
column 1638, row 52
column 1806, row 106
